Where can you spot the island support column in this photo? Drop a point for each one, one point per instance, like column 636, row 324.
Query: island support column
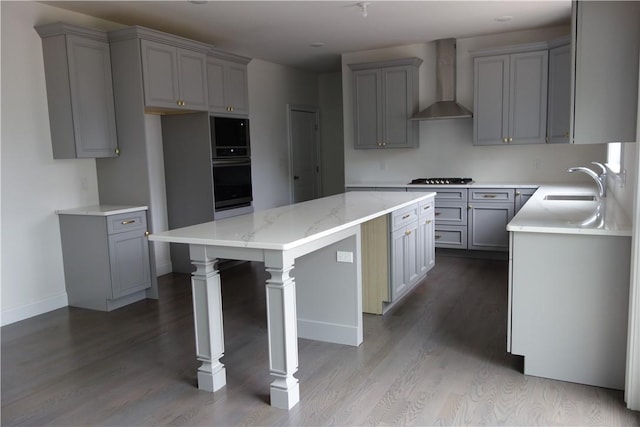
column 207, row 316
column 283, row 330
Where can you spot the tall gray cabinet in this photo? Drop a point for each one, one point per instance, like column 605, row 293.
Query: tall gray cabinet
column 385, row 96
column 79, row 91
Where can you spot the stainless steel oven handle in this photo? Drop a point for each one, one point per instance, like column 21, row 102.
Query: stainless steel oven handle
column 231, row 162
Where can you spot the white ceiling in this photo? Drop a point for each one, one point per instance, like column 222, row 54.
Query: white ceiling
column 282, row 31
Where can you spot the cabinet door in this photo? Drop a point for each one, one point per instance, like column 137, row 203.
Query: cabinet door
column 215, row 85
column 426, row 248
column 522, row 196
column 160, row 75
column 487, row 226
column 192, row 74
column 559, row 95
column 491, row 100
column 236, row 90
column 129, row 263
column 399, row 279
column 366, row 109
column 397, row 129
column 94, row 123
column 528, row 98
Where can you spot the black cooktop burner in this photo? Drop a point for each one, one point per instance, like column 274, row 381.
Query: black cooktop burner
column 441, row 181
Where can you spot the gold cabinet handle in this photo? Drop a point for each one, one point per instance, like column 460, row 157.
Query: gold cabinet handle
column 438, row 237
column 408, row 232
column 504, row 140
column 470, row 207
column 406, row 216
column 428, row 221
column 566, row 134
column 510, row 139
column 146, row 234
column 117, row 150
column 489, row 196
column 129, row 221
column 518, row 193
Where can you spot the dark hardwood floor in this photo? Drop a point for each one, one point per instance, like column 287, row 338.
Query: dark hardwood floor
column 438, row 359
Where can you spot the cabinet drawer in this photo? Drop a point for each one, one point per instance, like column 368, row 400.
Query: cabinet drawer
column 451, row 213
column 452, row 194
column 450, row 237
column 126, row 222
column 426, row 208
column 491, row 195
column 404, row 216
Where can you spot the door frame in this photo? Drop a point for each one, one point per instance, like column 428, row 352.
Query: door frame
column 306, row 109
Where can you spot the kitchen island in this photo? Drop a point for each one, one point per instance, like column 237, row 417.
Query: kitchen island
column 569, row 266
column 323, row 302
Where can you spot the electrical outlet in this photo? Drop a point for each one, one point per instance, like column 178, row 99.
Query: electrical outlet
column 343, row 256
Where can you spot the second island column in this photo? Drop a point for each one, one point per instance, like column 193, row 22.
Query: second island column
column 283, row 330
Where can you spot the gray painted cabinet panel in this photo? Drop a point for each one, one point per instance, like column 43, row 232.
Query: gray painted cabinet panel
column 559, row 95
column 105, row 268
column 174, row 78
column 228, row 86
column 79, row 92
column 510, row 98
column 605, row 43
column 385, row 96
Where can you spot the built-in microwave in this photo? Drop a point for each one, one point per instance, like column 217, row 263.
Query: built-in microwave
column 229, row 137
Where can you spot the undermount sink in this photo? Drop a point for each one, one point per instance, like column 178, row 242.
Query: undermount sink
column 571, row 197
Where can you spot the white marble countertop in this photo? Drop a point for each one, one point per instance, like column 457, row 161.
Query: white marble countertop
column 290, row 226
column 101, row 210
column 473, row 184
column 598, row 217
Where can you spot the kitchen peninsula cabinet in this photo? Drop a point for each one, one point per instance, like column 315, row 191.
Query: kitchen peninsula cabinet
column 77, row 68
column 106, row 256
column 174, row 78
column 227, row 83
column 605, row 42
column 426, row 235
column 385, row 96
column 404, row 251
column 510, row 97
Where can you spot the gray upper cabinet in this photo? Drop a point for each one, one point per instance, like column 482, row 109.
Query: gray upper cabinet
column 79, row 91
column 385, row 96
column 227, row 83
column 174, row 78
column 510, row 98
column 605, row 71
column 559, row 98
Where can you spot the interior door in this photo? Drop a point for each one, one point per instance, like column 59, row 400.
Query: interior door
column 305, row 165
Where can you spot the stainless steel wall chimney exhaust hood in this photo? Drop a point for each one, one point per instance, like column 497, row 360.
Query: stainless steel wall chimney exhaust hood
column 446, row 106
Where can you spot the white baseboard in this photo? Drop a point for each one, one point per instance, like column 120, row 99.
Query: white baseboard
column 26, row 311
column 164, row 268
column 328, row 332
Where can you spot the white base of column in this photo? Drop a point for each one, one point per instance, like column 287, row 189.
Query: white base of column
column 211, row 381
column 285, row 399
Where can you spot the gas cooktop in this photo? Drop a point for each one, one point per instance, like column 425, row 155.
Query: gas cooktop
column 440, row 181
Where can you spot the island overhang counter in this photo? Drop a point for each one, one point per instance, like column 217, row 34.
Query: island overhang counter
column 321, row 301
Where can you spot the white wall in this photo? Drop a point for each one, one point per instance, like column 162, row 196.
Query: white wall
column 33, row 184
column 446, row 147
column 331, row 133
column 271, row 88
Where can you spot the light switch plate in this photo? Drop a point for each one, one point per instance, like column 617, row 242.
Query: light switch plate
column 343, row 256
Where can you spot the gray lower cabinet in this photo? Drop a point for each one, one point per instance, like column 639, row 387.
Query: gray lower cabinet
column 426, row 237
column 522, row 196
column 385, row 96
column 404, row 258
column 106, row 258
column 450, row 218
column 510, row 98
column 490, row 210
column 174, row 78
column 559, row 94
column 227, row 83
column 77, row 68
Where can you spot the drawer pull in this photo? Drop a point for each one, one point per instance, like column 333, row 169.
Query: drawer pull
column 407, row 233
column 129, row 221
column 428, row 221
column 437, row 214
column 426, row 207
column 489, row 196
column 406, row 216
column 146, row 234
column 438, row 237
